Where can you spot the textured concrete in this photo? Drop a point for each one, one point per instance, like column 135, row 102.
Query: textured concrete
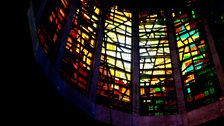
column 206, row 113
column 115, row 117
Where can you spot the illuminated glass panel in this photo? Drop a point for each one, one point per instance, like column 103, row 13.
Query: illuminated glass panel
column 115, row 63
column 79, row 51
column 157, row 89
column 52, row 24
column 198, row 74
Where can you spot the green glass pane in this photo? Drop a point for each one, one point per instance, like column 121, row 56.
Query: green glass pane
column 177, row 21
column 206, row 93
column 203, row 49
column 158, row 89
column 150, row 107
column 211, row 90
column 158, row 113
column 204, row 71
column 211, row 74
column 159, row 101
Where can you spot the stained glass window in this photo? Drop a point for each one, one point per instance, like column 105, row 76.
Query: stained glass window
column 79, row 51
column 197, row 70
column 52, row 24
column 157, row 90
column 115, row 64
column 130, row 50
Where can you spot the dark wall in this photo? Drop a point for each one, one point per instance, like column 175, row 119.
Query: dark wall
column 30, row 98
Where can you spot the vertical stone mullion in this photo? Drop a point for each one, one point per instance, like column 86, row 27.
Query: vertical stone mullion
column 214, row 54
column 176, row 68
column 135, row 68
column 62, row 44
column 96, row 62
column 41, row 10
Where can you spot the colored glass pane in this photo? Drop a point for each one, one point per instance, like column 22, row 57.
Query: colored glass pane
column 77, row 62
column 51, row 25
column 115, row 63
column 196, row 67
column 156, row 76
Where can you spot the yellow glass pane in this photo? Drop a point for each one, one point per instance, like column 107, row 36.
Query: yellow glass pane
column 128, row 14
column 128, row 77
column 167, row 60
column 154, row 80
column 84, row 58
column 95, row 25
column 189, row 78
column 173, row 14
column 187, row 26
column 94, row 17
column 151, row 42
column 164, row 41
column 85, row 52
column 123, row 90
column 103, row 52
column 169, row 72
column 111, row 35
column 77, row 50
column 110, row 46
column 186, row 41
column 159, row 61
column 158, row 72
column 153, row 16
column 127, row 99
column 88, row 61
column 97, row 10
column 89, row 55
column 142, row 91
column 186, row 49
column 111, row 60
column 194, row 53
column 168, row 65
column 180, row 43
column 128, row 23
column 120, row 74
column 149, row 72
column 111, row 53
column 92, row 42
column 112, row 72
column 62, row 12
column 119, row 64
column 109, row 22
